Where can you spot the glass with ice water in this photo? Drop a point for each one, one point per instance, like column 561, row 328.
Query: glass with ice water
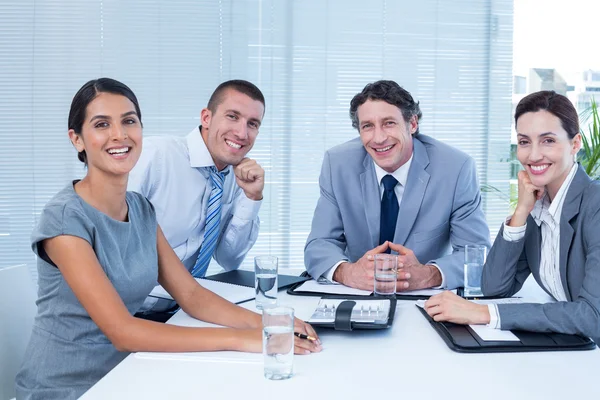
column 386, row 273
column 265, row 281
column 278, row 342
column 474, row 260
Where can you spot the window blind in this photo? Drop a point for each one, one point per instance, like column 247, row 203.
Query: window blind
column 308, row 57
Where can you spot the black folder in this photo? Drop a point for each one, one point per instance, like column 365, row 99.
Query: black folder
column 246, row 278
column 462, row 339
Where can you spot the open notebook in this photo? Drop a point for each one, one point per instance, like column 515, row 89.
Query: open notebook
column 229, row 291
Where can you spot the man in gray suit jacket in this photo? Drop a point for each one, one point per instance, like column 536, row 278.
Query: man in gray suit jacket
column 394, row 189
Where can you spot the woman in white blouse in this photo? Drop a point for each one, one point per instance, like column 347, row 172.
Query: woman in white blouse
column 553, row 234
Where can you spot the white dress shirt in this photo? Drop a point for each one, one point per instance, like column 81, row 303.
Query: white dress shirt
column 547, row 215
column 173, row 173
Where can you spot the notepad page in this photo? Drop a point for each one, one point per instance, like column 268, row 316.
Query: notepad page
column 507, row 300
column 316, row 287
column 424, row 292
column 487, row 333
column 230, row 292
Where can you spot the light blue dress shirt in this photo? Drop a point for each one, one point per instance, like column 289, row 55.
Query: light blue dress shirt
column 172, row 173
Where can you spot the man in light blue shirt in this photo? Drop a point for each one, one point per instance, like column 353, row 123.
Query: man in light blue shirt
column 174, row 173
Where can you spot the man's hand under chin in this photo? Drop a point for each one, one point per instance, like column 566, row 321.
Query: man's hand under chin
column 251, row 178
column 413, row 275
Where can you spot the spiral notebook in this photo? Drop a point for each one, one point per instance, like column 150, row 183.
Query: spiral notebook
column 229, row 291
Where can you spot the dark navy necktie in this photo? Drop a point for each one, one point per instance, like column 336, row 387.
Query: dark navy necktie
column 389, row 210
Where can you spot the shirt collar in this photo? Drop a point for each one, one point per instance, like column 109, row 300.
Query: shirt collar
column 401, row 174
column 199, row 155
column 553, row 210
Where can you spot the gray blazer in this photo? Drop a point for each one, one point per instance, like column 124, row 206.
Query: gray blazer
column 510, row 263
column 439, row 213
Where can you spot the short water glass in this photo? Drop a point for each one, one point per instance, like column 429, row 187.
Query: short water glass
column 278, row 342
column 475, row 256
column 386, row 274
column 265, row 281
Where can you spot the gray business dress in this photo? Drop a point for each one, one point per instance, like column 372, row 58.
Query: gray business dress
column 67, row 352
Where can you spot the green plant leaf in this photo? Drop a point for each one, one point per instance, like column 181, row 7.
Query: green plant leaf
column 590, row 154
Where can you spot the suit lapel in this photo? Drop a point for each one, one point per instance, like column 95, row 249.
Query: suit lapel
column 371, row 200
column 414, row 192
column 569, row 211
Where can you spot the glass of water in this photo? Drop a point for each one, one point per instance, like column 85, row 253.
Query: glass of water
column 265, row 281
column 474, row 260
column 386, row 273
column 278, row 342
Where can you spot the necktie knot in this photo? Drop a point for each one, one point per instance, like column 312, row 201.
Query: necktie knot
column 216, row 177
column 389, row 182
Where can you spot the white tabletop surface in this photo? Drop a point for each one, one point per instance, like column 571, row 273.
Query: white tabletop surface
column 409, row 360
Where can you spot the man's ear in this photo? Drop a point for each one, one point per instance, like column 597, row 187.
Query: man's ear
column 576, row 142
column 76, row 140
column 413, row 124
column 205, row 117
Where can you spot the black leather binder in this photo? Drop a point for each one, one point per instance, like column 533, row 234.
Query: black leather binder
column 348, row 316
column 246, row 278
column 462, row 339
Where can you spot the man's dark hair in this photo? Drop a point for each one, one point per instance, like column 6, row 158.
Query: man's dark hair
column 86, row 94
column 391, row 93
column 239, row 85
column 556, row 104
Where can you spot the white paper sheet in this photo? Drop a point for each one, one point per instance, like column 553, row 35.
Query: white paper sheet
column 315, row 287
column 233, row 293
column 496, row 335
column 424, row 292
column 508, row 300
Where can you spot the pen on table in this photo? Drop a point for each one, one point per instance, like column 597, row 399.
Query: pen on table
column 303, row 336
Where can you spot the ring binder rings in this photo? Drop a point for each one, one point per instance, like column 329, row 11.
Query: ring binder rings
column 462, row 339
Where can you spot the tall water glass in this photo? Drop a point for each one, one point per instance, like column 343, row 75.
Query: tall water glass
column 386, row 273
column 265, row 281
column 278, row 342
column 474, row 260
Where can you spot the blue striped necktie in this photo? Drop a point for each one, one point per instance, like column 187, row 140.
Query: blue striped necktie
column 211, row 227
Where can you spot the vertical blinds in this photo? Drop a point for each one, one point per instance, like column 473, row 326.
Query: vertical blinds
column 309, row 57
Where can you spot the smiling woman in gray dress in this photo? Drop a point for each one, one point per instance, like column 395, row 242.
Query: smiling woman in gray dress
column 554, row 233
column 100, row 253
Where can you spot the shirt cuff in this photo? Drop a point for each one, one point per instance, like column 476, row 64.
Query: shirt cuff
column 494, row 316
column 247, row 209
column 443, row 285
column 327, row 277
column 513, row 233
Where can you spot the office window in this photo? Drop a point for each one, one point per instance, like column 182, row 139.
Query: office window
column 309, row 58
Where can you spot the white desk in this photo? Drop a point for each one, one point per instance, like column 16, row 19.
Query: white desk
column 409, row 360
